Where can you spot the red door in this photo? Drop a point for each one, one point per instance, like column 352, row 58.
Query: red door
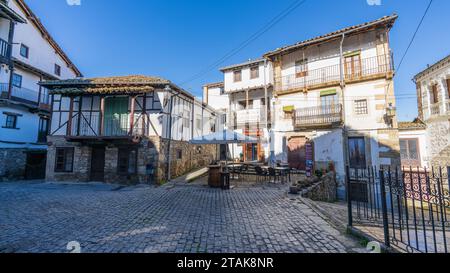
column 297, row 153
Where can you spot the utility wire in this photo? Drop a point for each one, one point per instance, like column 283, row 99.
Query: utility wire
column 293, row 6
column 414, row 36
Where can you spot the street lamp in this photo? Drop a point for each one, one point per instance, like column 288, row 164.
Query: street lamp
column 390, row 114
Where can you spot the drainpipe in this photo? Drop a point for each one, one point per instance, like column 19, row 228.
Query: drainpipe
column 266, row 102
column 344, row 128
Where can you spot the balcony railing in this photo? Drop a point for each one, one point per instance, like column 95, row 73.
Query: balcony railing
column 330, row 75
column 26, row 95
column 89, row 126
column 326, row 115
column 242, row 118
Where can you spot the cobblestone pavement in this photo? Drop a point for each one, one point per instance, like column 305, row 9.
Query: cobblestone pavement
column 44, row 217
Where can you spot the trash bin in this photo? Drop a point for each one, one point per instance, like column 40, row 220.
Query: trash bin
column 225, row 180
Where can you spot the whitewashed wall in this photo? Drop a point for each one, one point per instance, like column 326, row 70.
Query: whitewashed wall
column 246, row 82
column 216, row 99
column 421, row 136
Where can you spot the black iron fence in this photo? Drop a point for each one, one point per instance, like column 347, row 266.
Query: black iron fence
column 408, row 208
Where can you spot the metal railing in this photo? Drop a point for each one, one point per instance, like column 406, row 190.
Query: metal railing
column 244, row 117
column 21, row 93
column 361, row 70
column 406, row 208
column 89, row 125
column 318, row 116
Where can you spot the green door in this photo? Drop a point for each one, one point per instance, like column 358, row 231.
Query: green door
column 116, row 116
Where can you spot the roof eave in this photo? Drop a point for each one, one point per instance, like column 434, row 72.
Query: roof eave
column 388, row 20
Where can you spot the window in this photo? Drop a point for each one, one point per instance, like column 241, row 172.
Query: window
column 186, row 119
column 11, row 121
column 43, row 130
column 254, row 72
column 127, row 161
column 24, row 51
column 212, row 124
column 64, row 160
column 361, row 107
column 237, row 76
column 434, row 94
column 352, row 65
column 301, row 68
column 409, row 149
column 448, row 88
column 357, row 152
column 222, row 90
column 17, row 80
column 57, row 70
column 179, row 154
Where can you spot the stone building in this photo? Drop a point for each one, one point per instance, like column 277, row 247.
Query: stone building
column 433, row 99
column 131, row 129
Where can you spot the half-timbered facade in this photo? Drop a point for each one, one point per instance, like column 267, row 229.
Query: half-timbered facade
column 132, row 129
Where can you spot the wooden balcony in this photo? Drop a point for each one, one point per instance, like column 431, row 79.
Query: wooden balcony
column 89, row 126
column 327, row 116
column 365, row 69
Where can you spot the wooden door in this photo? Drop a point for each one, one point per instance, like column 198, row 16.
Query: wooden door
column 98, row 164
column 352, row 67
column 297, row 153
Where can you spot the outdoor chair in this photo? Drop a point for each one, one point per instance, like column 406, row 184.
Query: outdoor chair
column 260, row 173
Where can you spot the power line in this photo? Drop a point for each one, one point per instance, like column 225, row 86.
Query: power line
column 293, row 6
column 414, row 36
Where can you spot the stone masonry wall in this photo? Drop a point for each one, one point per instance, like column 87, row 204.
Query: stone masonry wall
column 81, row 163
column 192, row 157
column 12, row 164
column 151, row 160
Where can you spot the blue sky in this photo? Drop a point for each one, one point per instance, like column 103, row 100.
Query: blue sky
column 176, row 39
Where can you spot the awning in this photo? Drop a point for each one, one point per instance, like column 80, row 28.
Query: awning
column 224, row 137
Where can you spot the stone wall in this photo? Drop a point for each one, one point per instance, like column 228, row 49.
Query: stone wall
column 324, row 190
column 151, row 160
column 13, row 164
column 81, row 163
column 185, row 157
column 438, row 138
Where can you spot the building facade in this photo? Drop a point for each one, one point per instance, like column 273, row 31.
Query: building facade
column 28, row 55
column 132, row 129
column 249, row 89
column 334, row 100
column 433, row 93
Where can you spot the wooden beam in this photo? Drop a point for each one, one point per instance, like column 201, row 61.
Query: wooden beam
column 69, row 122
column 133, row 98
column 102, row 116
column 144, row 113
